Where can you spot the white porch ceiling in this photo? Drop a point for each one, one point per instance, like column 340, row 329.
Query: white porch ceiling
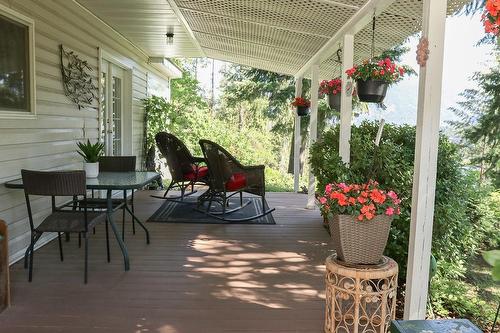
column 276, row 35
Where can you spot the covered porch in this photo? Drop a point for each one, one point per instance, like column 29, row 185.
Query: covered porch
column 200, row 277
column 191, row 278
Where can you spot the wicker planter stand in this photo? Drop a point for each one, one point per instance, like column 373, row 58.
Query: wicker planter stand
column 360, row 298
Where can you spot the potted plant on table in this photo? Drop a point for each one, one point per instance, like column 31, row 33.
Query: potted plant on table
column 374, row 76
column 91, row 153
column 302, row 106
column 360, row 217
column 332, row 88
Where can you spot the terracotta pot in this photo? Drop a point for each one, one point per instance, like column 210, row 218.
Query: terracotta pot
column 371, row 91
column 334, row 101
column 302, row 111
column 360, row 242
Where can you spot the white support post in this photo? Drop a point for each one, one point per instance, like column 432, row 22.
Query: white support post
column 313, row 133
column 346, row 100
column 297, row 139
column 426, row 150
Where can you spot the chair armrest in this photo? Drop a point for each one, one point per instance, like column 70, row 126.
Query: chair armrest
column 253, row 167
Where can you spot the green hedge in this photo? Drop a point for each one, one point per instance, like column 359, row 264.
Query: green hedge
column 458, row 228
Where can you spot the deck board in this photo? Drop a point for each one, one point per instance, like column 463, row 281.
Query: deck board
column 191, row 278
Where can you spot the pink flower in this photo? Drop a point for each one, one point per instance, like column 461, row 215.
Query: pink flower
column 322, row 200
column 392, row 195
column 328, row 188
column 389, row 211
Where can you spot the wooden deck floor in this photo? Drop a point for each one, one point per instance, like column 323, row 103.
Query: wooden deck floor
column 191, row 278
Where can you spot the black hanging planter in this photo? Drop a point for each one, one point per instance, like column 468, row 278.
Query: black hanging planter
column 334, row 101
column 371, row 91
column 302, row 111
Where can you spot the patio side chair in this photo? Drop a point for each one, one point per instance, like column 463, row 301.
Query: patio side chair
column 115, row 164
column 185, row 169
column 60, row 184
column 227, row 178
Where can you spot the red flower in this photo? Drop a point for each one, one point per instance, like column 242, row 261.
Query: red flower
column 299, row 101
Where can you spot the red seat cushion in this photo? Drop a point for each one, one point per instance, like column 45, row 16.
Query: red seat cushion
column 196, row 174
column 236, row 182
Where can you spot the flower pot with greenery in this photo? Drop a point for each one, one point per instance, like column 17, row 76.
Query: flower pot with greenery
column 91, row 153
column 360, row 218
column 302, row 106
column 373, row 77
column 332, row 88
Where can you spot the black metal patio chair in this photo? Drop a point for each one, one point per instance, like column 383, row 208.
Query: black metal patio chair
column 185, row 169
column 227, row 178
column 62, row 219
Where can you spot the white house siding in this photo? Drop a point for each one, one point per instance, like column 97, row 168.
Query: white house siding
column 48, row 142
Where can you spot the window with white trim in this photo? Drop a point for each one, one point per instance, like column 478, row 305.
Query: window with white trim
column 16, row 64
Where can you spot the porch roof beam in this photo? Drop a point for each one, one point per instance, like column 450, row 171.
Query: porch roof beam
column 355, row 24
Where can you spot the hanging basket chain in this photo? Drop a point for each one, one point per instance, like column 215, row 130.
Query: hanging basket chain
column 373, row 37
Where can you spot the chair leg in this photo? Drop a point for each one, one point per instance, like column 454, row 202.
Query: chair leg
column 86, row 236
column 27, row 253
column 241, row 199
column 31, row 248
column 107, row 241
column 133, row 211
column 60, row 246
column 79, row 240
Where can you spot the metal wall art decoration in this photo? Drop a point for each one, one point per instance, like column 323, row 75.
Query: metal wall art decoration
column 78, row 82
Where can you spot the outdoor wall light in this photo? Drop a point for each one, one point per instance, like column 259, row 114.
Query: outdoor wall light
column 170, row 38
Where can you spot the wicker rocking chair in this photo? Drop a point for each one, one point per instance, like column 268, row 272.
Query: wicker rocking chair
column 185, row 169
column 227, row 178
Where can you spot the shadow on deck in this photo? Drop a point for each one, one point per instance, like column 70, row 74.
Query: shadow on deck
column 191, row 278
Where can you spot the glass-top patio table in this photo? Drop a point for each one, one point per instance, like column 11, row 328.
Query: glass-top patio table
column 109, row 182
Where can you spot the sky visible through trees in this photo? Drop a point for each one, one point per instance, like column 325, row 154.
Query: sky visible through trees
column 462, row 59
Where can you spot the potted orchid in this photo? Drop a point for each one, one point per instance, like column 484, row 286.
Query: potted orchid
column 360, row 217
column 373, row 77
column 332, row 88
column 302, row 106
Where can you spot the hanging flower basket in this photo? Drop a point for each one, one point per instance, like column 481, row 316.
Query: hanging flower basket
column 373, row 77
column 333, row 89
column 359, row 219
column 302, row 106
column 302, row 111
column 371, row 91
column 334, row 101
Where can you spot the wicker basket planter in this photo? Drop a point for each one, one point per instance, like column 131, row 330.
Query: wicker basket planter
column 360, row 242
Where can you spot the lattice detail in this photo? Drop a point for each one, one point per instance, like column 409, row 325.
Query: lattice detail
column 281, row 35
column 304, row 15
column 362, row 298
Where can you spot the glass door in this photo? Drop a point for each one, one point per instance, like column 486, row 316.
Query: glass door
column 111, row 108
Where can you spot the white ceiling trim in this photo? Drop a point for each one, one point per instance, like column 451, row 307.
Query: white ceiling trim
column 183, row 21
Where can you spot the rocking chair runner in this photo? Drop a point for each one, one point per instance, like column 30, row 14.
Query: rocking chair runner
column 227, row 175
column 184, row 168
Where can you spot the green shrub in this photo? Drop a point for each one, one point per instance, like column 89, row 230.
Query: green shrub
column 457, row 233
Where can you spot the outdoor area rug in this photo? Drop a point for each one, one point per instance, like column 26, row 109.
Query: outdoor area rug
column 175, row 212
